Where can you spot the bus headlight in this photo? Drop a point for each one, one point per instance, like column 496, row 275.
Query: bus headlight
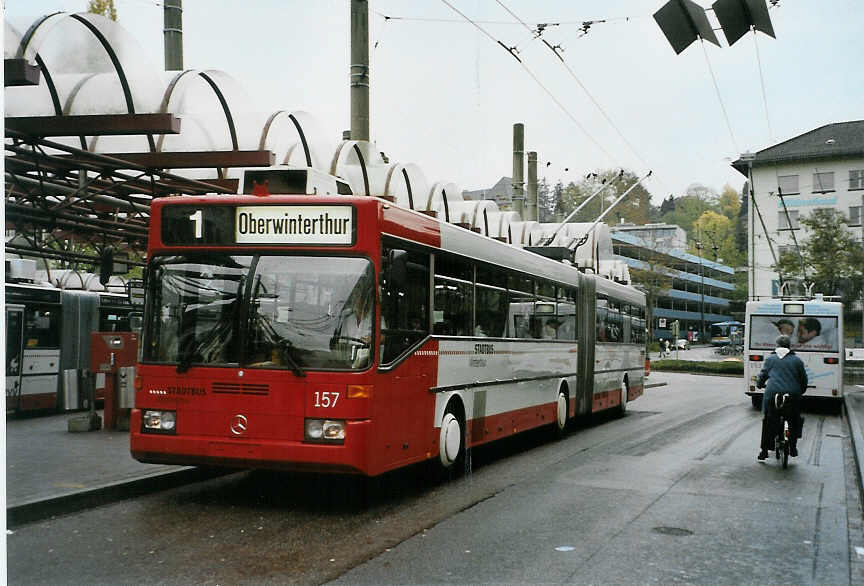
column 159, row 421
column 324, row 430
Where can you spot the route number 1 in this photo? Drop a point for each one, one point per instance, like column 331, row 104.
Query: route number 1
column 198, row 220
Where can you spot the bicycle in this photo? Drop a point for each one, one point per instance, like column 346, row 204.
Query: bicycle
column 783, row 437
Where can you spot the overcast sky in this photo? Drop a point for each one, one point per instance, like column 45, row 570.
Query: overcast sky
column 445, row 96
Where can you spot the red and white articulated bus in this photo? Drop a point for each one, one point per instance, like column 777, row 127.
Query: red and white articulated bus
column 347, row 334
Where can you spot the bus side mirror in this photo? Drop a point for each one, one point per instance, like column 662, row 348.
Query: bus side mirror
column 397, row 275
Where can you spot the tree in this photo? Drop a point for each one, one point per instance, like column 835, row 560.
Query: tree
column 729, row 203
column 668, row 205
column 686, row 211
column 832, row 257
column 741, row 221
column 717, row 233
column 635, row 208
column 104, row 7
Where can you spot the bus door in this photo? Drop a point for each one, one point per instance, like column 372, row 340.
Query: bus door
column 14, row 354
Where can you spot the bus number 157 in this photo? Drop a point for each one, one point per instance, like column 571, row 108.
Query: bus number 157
column 326, row 399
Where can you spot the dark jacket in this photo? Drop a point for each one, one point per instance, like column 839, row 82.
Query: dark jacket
column 784, row 375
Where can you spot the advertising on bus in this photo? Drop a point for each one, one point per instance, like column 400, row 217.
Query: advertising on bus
column 815, row 328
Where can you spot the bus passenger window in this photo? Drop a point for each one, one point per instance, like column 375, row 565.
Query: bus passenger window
column 454, row 296
column 404, row 306
column 491, row 312
column 453, row 307
column 567, row 317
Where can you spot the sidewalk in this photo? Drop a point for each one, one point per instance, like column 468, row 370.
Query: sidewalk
column 51, row 471
column 853, row 396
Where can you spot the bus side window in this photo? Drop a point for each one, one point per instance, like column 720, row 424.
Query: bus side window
column 404, row 304
column 567, row 314
column 491, row 307
column 521, row 311
column 602, row 333
column 454, row 296
column 614, row 331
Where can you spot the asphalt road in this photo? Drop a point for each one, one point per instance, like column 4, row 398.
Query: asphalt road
column 669, row 493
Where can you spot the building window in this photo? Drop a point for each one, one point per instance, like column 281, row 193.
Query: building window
column 823, row 182
column 854, row 215
column 856, row 179
column 783, row 223
column 787, row 184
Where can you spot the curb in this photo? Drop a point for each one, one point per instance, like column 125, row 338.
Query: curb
column 856, row 433
column 699, row 373
column 38, row 510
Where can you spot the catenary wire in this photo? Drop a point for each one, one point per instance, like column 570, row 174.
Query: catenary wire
column 719, row 97
column 536, row 80
column 581, row 85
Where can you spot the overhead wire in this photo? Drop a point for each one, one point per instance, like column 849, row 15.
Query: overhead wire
column 581, row 23
column 719, row 96
column 556, row 50
column 536, row 80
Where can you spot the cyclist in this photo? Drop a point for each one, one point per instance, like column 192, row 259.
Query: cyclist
column 785, row 374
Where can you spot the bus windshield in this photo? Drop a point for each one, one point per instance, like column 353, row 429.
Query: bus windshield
column 268, row 311
column 808, row 333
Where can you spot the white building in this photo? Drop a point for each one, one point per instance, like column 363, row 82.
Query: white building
column 822, row 168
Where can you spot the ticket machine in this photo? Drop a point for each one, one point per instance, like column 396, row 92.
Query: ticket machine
column 112, row 361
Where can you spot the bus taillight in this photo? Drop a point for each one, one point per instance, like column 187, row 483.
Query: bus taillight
column 756, row 358
column 831, row 360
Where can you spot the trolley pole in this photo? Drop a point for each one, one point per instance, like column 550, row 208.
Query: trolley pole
column 359, row 70
column 173, row 34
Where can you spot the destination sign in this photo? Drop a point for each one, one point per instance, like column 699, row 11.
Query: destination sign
column 225, row 225
column 294, row 224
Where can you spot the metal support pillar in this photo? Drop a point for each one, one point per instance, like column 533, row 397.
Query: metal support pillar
column 359, row 70
column 173, row 33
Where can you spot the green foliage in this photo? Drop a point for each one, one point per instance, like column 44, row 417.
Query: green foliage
column 741, row 221
column 636, row 208
column 104, row 7
column 717, row 233
column 724, row 367
column 832, row 257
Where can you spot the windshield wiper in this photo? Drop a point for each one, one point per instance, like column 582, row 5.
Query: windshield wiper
column 292, row 362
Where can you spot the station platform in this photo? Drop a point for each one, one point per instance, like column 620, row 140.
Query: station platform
column 51, row 471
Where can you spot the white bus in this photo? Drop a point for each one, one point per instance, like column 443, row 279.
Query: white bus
column 816, row 329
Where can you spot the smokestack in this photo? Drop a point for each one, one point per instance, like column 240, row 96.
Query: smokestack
column 531, row 200
column 360, row 70
column 518, row 167
column 173, row 33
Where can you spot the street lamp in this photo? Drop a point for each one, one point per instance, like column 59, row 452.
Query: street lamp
column 701, row 291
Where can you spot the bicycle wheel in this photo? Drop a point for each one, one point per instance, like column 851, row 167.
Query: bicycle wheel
column 785, row 455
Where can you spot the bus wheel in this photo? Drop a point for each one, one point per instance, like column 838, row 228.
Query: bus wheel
column 757, row 401
column 452, row 440
column 560, row 425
